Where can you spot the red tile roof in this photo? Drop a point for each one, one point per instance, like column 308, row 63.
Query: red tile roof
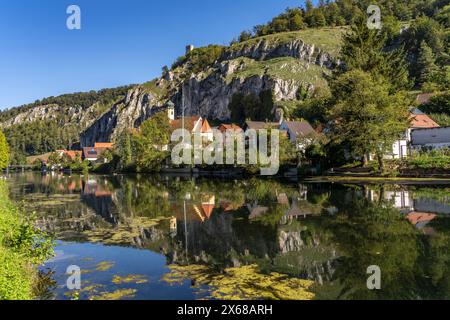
column 422, row 121
column 232, row 127
column 206, row 128
column 189, row 123
column 107, row 145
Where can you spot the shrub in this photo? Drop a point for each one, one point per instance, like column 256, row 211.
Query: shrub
column 22, row 247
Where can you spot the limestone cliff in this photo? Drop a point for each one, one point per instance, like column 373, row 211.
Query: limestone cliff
column 285, row 67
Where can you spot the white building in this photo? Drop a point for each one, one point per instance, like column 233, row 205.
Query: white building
column 430, row 138
column 419, row 121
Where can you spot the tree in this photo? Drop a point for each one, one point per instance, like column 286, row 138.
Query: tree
column 245, row 35
column 251, row 106
column 366, row 114
column 236, row 107
column 150, row 141
column 296, row 22
column 124, row 150
column 4, row 151
column 364, row 49
column 425, row 64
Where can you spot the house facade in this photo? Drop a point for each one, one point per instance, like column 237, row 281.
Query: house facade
column 300, row 133
column 430, row 138
column 418, row 121
column 94, row 153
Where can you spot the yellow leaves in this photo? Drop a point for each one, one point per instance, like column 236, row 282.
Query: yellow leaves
column 242, row 283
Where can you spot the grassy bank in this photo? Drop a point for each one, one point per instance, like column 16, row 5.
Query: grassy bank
column 22, row 248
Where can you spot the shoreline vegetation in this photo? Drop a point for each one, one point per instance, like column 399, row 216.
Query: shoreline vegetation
column 22, row 248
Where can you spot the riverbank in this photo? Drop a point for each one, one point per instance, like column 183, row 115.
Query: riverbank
column 22, row 249
column 377, row 180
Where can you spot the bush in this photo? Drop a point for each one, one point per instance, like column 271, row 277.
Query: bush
column 22, row 247
column 435, row 159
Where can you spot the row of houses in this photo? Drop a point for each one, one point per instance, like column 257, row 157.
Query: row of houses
column 88, row 153
column 423, row 133
column 294, row 130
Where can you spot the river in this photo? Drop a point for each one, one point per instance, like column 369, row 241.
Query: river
column 154, row 237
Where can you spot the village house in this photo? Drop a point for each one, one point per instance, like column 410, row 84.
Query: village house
column 418, row 120
column 71, row 154
column 224, row 128
column 430, row 138
column 94, row 153
column 300, row 133
column 194, row 124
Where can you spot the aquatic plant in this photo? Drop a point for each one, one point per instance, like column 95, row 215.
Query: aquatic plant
column 241, row 283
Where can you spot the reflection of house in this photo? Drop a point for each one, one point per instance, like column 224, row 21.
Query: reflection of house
column 196, row 211
column 420, row 219
column 228, row 206
column 92, row 187
column 400, row 199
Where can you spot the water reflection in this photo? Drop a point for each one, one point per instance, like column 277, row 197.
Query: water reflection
column 323, row 233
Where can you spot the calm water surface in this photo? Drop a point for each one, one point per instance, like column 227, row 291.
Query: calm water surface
column 151, row 237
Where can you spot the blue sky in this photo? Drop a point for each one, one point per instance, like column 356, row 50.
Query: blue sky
column 120, row 42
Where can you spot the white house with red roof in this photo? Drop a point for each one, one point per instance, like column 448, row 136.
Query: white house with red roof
column 418, row 121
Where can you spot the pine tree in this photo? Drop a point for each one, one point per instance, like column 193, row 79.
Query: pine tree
column 426, row 67
column 4, row 151
column 364, row 49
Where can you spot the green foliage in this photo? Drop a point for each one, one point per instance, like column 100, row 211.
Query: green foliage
column 4, row 152
column 364, row 49
column 43, row 136
column 148, row 144
column 366, row 114
column 441, row 119
column 22, row 247
column 124, row 150
column 435, row 159
column 40, row 137
column 425, row 64
column 201, row 58
column 438, row 104
column 250, row 106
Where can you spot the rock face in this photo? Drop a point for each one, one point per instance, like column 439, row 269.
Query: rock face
column 264, row 49
column 130, row 113
column 83, row 117
column 209, row 93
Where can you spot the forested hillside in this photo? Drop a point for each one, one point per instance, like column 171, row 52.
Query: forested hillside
column 420, row 26
column 54, row 122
